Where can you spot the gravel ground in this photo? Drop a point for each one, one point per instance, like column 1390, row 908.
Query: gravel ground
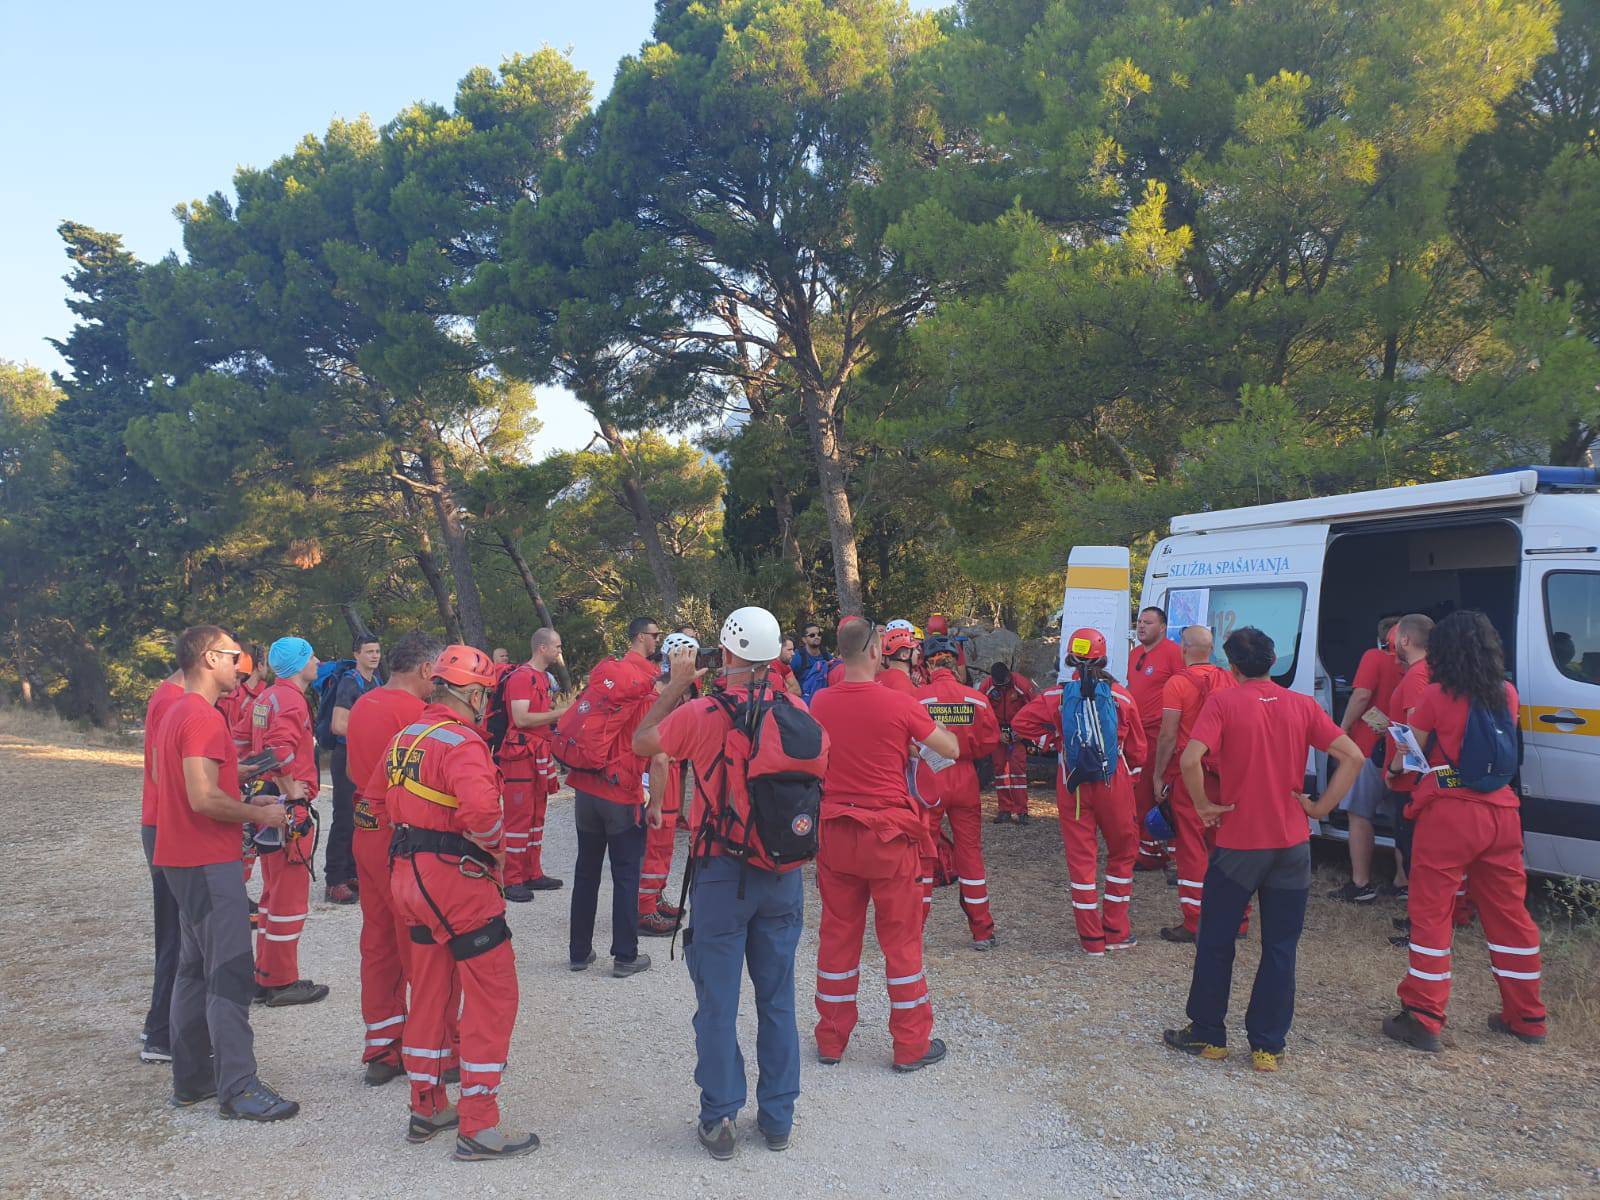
column 1056, row 1083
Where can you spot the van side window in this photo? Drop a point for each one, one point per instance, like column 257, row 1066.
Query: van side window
column 1277, row 609
column 1572, row 621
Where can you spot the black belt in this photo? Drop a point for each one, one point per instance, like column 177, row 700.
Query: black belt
column 409, row 840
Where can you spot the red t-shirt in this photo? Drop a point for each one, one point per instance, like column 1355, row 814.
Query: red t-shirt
column 1259, row 735
column 161, row 700
column 870, row 729
column 528, row 683
column 1149, row 668
column 1186, row 694
column 1379, row 673
column 896, row 681
column 377, row 716
column 1445, row 716
column 193, row 728
column 1406, row 697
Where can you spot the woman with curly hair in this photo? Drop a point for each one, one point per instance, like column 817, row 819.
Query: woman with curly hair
column 1466, row 833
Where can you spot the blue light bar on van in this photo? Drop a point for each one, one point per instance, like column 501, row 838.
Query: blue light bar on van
column 1559, row 478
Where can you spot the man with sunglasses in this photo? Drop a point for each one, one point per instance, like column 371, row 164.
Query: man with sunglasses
column 608, row 806
column 195, row 770
column 811, row 662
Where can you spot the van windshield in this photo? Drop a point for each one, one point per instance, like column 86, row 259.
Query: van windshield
column 1274, row 608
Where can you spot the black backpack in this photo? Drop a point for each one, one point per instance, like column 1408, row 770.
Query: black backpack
column 497, row 723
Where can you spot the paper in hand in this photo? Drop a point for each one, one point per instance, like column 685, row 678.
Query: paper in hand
column 935, row 760
column 1375, row 719
column 1414, row 759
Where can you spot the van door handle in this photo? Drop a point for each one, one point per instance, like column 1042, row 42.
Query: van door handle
column 1562, row 719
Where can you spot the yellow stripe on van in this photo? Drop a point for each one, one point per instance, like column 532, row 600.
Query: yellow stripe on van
column 1111, row 579
column 1529, row 720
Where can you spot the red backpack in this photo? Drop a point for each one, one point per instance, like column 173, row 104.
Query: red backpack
column 588, row 737
column 769, row 801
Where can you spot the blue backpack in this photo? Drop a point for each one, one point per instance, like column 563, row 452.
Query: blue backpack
column 815, row 677
column 1088, row 734
column 325, row 688
column 1488, row 750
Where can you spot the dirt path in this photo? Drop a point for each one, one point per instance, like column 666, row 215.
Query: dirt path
column 1056, row 1085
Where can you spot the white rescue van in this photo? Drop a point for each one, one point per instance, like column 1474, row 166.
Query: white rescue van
column 1523, row 546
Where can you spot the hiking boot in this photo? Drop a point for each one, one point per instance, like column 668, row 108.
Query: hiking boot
column 1092, row 951
column 258, row 1102
column 1185, row 1040
column 261, row 994
column 935, row 1053
column 381, row 1071
column 1023, row 818
column 983, row 944
column 1265, row 1060
column 1403, row 924
column 1002, row 818
column 1177, row 933
column 655, row 925
column 1149, row 866
column 775, row 1141
column 1127, row 943
column 671, row 911
column 424, row 1129
column 450, row 1075
column 1497, row 1024
column 1394, row 891
column 519, row 893
column 182, row 1099
column 720, row 1138
column 1400, row 940
column 621, row 970
column 489, row 1144
column 301, row 991
column 1403, row 1027
column 581, row 966
column 1172, row 876
column 150, row 1052
column 1354, row 893
column 545, row 883
column 826, row 1060
column 339, row 893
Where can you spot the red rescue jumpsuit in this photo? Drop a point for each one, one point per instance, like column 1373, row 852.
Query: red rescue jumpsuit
column 872, row 845
column 385, row 939
column 1476, row 835
column 954, row 791
column 657, row 866
column 1108, row 806
column 454, row 763
column 1186, row 693
column 1011, row 756
column 1149, row 668
column 529, row 776
column 281, row 720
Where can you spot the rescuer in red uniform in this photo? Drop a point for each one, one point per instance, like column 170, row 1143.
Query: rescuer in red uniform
column 1008, row 693
column 449, row 849
column 1154, row 660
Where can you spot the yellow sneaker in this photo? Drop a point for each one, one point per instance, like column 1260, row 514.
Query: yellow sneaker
column 1265, row 1060
column 1185, row 1040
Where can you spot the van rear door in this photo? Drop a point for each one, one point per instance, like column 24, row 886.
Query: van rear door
column 1269, row 577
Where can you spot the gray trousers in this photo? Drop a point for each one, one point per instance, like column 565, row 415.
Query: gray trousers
column 215, row 983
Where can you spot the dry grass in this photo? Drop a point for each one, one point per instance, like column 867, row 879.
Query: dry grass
column 44, row 726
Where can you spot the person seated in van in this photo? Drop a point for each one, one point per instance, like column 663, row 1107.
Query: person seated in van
column 1565, row 651
column 1371, row 697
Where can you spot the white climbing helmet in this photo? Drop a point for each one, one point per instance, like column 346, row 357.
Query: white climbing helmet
column 753, row 634
column 900, row 623
column 674, row 642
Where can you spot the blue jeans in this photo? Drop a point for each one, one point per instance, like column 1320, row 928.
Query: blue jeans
column 727, row 934
column 606, row 829
column 1282, row 878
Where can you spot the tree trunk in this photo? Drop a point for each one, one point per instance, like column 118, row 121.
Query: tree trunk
column 468, row 602
column 783, row 506
column 644, row 522
column 359, row 629
column 88, row 691
column 537, row 597
column 429, row 566
column 819, row 409
column 22, row 665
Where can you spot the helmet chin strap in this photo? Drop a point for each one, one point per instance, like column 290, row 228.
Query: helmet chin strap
column 465, row 698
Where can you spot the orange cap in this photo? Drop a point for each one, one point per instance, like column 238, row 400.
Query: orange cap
column 1086, row 645
column 464, row 666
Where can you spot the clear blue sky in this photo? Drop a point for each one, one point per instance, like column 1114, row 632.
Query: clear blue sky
column 113, row 112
